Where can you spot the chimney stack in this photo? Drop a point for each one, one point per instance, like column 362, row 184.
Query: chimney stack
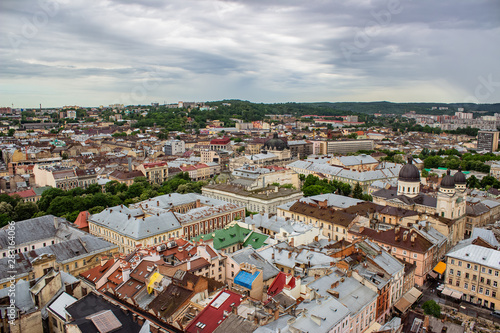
column 129, row 164
column 413, row 237
column 56, row 222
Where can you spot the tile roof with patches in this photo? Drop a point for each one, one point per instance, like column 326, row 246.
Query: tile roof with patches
column 398, row 211
column 327, row 214
column 126, row 175
column 396, row 238
column 169, row 301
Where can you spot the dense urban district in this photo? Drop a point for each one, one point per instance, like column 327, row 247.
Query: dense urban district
column 232, row 216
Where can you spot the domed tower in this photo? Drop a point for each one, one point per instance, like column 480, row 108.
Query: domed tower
column 278, row 147
column 409, row 180
column 447, row 183
column 275, row 143
column 460, row 180
column 451, row 200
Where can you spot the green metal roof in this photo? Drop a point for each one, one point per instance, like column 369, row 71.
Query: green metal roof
column 232, row 235
column 40, row 190
column 256, row 240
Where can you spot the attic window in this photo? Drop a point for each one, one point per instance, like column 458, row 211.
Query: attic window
column 200, row 325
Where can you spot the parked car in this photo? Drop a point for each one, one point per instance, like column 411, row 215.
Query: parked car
column 496, row 313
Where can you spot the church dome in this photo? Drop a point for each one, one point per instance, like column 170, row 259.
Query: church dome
column 275, row 143
column 459, row 177
column 448, row 181
column 409, row 172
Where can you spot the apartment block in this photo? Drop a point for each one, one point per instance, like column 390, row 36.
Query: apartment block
column 472, row 274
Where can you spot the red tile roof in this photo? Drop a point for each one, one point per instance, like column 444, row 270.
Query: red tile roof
column 129, row 288
column 277, row 285
column 397, row 239
column 24, row 194
column 94, row 274
column 213, row 314
column 82, row 220
column 143, row 270
column 154, row 164
column 223, row 141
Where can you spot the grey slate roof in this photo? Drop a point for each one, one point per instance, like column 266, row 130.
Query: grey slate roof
column 38, row 229
column 420, row 199
column 477, row 254
column 250, row 256
column 22, row 296
column 279, row 325
column 387, row 262
column 277, row 224
column 486, row 235
column 167, row 201
column 333, row 200
column 128, row 222
column 23, row 267
column 352, row 293
column 366, row 176
column 330, row 312
column 356, row 160
column 291, row 259
column 72, row 249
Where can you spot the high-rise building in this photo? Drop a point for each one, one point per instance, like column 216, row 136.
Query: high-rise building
column 487, row 140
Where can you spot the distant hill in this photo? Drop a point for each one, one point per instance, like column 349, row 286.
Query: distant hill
column 342, row 108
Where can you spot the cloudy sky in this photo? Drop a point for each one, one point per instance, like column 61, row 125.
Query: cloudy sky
column 98, row 52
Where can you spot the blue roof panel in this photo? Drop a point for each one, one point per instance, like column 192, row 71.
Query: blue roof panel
column 245, row 279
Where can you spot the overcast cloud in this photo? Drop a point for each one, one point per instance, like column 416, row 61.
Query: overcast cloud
column 93, row 52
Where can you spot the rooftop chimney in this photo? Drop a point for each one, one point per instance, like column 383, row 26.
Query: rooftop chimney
column 129, row 164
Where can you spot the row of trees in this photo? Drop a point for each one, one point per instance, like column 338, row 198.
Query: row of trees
column 312, row 185
column 69, row 204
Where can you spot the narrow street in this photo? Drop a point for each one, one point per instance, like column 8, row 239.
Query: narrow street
column 429, row 292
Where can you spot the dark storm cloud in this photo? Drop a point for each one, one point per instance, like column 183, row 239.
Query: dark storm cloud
column 258, row 50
